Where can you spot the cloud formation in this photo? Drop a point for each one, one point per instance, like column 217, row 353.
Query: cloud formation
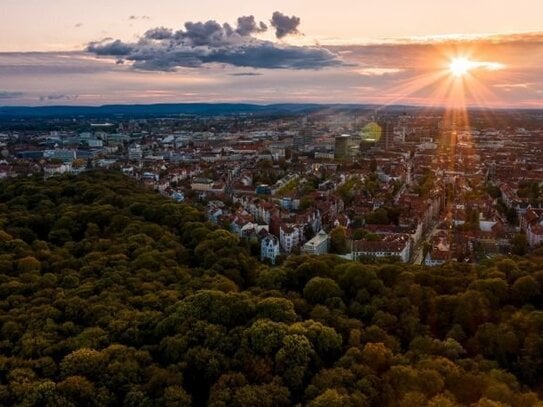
column 245, row 74
column 284, row 25
column 393, row 71
column 159, row 33
column 201, row 43
column 57, row 97
column 10, row 95
column 247, row 26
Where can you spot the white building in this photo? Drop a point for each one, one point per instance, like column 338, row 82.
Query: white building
column 202, row 184
column 437, row 257
column 318, row 245
column 135, row 153
column 66, row 156
column 269, row 248
column 534, row 233
column 56, row 169
column 291, row 236
column 95, row 143
column 532, row 224
column 391, row 245
column 262, row 211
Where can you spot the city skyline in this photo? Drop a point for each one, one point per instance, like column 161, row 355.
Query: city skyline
column 378, row 52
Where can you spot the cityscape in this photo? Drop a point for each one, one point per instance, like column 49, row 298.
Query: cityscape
column 281, row 204
column 396, row 184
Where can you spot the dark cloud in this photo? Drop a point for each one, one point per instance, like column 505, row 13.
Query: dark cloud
column 133, row 17
column 284, row 25
column 269, row 55
column 111, row 48
column 210, row 33
column 57, row 97
column 210, row 42
column 9, row 95
column 247, row 26
column 159, row 33
column 245, row 74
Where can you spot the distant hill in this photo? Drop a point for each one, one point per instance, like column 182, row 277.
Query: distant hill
column 208, row 109
column 172, row 109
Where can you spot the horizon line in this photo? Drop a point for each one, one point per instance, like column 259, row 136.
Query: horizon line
column 270, row 104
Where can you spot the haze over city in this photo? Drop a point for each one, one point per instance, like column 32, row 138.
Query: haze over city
column 385, row 52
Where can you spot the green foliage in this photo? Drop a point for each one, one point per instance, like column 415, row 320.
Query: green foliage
column 319, row 289
column 520, row 244
column 378, row 217
column 530, row 190
column 338, row 241
column 288, row 188
column 276, row 309
column 493, row 191
column 113, row 295
column 425, row 184
column 509, row 212
column 348, row 189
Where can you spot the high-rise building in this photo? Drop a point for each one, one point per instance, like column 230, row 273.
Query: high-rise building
column 302, row 140
column 342, row 147
column 387, row 134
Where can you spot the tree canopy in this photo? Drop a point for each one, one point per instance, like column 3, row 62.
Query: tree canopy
column 113, row 295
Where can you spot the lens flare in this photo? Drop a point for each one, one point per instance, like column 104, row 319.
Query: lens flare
column 461, row 66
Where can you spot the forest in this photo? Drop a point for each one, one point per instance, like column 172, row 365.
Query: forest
column 112, row 295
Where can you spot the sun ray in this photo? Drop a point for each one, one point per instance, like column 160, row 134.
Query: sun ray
column 412, row 86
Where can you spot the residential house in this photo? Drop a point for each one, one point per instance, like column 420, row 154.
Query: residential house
column 291, row 236
column 440, row 252
column 532, row 225
column 269, row 248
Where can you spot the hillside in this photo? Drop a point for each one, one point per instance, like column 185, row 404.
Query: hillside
column 113, row 295
column 156, row 110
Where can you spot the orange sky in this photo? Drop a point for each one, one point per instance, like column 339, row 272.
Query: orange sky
column 372, row 51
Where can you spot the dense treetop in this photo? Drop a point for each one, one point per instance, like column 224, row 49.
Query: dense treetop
column 113, row 295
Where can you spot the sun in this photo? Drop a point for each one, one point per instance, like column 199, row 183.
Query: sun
column 460, row 66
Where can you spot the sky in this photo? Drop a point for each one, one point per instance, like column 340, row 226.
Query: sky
column 75, row 52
